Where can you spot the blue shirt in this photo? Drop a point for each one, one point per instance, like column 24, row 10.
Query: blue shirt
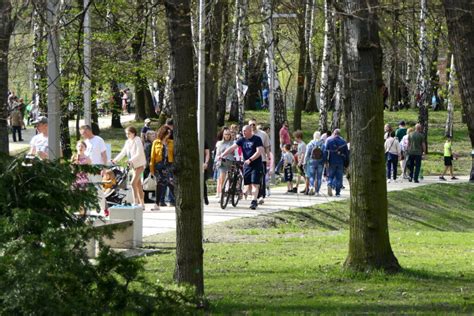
column 249, row 147
column 336, row 152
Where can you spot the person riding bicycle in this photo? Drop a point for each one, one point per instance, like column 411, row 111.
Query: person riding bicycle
column 252, row 150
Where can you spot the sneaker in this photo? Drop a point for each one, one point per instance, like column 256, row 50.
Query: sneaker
column 454, row 178
column 261, row 201
column 317, row 194
column 329, row 191
column 295, row 190
column 311, row 191
column 253, row 204
column 416, row 181
column 163, row 204
column 442, row 178
column 338, row 195
column 389, row 181
column 155, row 208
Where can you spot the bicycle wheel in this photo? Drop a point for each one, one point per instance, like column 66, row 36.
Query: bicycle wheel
column 225, row 194
column 236, row 190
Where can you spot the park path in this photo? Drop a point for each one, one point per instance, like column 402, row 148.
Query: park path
column 164, row 220
column 104, row 122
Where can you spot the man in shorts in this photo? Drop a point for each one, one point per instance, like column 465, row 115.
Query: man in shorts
column 266, row 148
column 252, row 150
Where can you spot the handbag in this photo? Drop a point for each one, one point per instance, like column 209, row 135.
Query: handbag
column 149, row 184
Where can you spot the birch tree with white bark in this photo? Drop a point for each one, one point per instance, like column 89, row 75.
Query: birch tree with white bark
column 325, row 93
column 423, row 83
column 448, row 130
column 242, row 7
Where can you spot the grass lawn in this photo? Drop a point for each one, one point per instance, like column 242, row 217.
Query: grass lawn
column 292, row 262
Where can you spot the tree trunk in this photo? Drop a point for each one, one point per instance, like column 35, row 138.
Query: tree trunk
column 422, row 79
column 213, row 51
column 255, row 76
column 189, row 248
column 115, row 105
column 38, row 53
column 459, row 16
column 225, row 74
column 325, row 93
column 6, row 29
column 369, row 244
column 448, row 130
column 338, row 99
column 241, row 8
column 299, row 101
column 138, row 43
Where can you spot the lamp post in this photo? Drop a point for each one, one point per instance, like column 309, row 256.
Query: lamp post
column 201, row 100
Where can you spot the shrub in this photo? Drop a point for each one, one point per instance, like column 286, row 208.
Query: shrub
column 44, row 268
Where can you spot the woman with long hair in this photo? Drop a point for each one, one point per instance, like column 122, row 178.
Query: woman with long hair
column 133, row 149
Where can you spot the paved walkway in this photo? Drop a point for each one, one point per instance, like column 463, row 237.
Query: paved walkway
column 164, row 220
column 104, row 122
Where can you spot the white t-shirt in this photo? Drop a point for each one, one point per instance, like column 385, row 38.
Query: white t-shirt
column 94, row 150
column 265, row 141
column 39, row 142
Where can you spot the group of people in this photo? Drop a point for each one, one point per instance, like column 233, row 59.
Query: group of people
column 407, row 146
column 20, row 115
column 326, row 154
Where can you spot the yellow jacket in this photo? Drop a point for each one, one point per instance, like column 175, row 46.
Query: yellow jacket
column 156, row 154
column 170, row 146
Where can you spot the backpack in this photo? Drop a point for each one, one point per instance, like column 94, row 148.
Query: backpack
column 317, row 152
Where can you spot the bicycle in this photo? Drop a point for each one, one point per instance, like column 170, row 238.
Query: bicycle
column 232, row 186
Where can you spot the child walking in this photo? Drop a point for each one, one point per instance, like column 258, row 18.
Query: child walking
column 288, row 160
column 448, row 159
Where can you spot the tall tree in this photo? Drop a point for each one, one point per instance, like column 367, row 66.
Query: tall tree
column 300, row 78
column 213, row 54
column 369, row 244
column 423, row 82
column 325, row 93
column 241, row 8
column 224, row 69
column 138, row 45
column 6, row 29
column 338, row 98
column 460, row 20
column 312, row 62
column 448, row 130
column 189, row 248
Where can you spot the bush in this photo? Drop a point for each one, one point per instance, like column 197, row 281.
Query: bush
column 44, row 268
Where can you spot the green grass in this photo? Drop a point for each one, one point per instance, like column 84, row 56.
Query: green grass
column 292, row 262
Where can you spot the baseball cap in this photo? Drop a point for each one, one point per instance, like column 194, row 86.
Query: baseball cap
column 41, row 120
column 147, row 120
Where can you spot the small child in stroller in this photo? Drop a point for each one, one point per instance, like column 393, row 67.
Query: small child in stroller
column 108, row 182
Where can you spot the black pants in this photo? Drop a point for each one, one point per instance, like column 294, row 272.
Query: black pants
column 162, row 181
column 262, row 190
column 15, row 130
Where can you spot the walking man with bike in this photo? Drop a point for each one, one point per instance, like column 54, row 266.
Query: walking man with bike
column 252, row 150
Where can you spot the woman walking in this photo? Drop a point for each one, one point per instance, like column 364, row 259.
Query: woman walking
column 159, row 165
column 133, row 149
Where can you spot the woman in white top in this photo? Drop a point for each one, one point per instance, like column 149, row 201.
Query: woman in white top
column 133, row 149
column 221, row 146
column 392, row 152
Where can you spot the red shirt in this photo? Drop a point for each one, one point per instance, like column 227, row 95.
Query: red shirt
column 284, row 136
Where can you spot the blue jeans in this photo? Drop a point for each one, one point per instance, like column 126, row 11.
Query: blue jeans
column 335, row 177
column 314, row 172
column 415, row 166
column 392, row 163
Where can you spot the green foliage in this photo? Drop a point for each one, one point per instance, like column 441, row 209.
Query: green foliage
column 44, row 268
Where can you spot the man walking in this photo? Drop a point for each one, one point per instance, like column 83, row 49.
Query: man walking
column 266, row 148
column 252, row 150
column 39, row 143
column 416, row 150
column 336, row 155
column 96, row 149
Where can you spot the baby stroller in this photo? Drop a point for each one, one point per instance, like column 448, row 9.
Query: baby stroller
column 115, row 196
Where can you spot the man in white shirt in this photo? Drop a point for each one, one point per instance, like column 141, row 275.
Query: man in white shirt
column 266, row 147
column 96, row 149
column 39, row 143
